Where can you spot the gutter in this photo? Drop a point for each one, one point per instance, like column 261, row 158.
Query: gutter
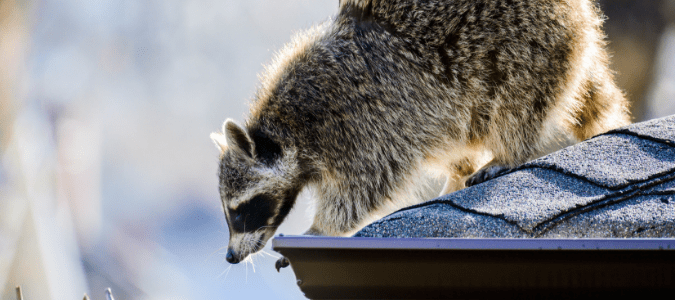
column 452, row 268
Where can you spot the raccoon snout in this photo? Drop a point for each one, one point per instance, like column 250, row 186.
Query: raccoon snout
column 232, row 256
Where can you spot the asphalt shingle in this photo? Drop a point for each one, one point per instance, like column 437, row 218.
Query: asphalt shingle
column 659, row 129
column 619, row 184
column 613, row 160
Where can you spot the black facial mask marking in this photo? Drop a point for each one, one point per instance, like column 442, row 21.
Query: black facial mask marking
column 251, row 215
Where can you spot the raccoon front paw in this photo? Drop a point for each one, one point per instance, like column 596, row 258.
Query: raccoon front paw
column 485, row 174
column 281, row 263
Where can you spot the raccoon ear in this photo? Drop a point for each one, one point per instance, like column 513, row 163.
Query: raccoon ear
column 237, row 139
column 220, row 141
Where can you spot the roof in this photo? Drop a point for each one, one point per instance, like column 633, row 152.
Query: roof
column 616, row 185
column 593, row 219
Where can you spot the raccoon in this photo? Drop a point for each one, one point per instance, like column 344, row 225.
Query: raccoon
column 359, row 107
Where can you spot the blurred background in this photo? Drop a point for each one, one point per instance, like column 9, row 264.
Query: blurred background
column 107, row 173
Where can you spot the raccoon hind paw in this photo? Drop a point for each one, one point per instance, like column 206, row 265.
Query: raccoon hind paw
column 486, row 173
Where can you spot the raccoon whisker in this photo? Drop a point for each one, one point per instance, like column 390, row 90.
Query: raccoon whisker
column 214, row 252
column 246, row 266
column 252, row 263
column 260, row 253
column 267, row 253
column 226, row 272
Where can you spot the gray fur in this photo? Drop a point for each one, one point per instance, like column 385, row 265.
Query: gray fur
column 360, row 106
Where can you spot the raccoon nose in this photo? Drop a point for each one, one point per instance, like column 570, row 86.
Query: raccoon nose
column 231, row 257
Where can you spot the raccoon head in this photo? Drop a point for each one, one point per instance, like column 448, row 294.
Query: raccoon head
column 259, row 183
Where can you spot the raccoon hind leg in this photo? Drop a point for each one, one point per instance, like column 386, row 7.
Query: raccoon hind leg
column 603, row 107
column 457, row 174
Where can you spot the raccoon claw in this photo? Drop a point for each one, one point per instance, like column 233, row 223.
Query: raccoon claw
column 485, row 174
column 281, row 263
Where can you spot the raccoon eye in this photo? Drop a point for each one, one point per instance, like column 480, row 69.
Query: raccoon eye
column 252, row 215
